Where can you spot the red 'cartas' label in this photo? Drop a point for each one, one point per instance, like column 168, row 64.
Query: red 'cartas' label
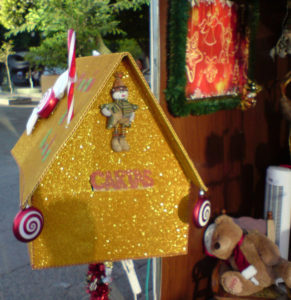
column 121, row 180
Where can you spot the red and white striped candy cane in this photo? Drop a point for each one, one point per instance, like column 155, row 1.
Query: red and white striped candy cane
column 72, row 72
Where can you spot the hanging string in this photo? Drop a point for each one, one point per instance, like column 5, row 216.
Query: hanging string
column 154, row 263
column 147, row 279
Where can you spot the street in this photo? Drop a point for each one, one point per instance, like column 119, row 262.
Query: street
column 17, row 279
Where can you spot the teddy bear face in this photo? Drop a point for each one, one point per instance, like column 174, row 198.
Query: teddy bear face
column 223, row 237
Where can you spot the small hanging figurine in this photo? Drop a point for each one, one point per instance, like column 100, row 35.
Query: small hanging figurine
column 120, row 114
column 250, row 92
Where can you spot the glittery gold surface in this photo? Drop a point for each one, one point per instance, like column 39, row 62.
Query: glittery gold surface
column 83, row 225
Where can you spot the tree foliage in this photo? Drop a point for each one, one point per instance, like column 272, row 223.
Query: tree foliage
column 6, row 50
column 136, row 26
column 13, row 12
column 91, row 19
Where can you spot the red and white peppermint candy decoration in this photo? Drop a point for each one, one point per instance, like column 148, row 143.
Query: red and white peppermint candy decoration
column 72, row 72
column 202, row 211
column 47, row 104
column 28, row 224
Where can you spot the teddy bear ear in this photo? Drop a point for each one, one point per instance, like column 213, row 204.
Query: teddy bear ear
column 223, row 218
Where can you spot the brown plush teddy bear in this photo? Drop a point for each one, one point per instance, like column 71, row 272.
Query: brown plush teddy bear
column 254, row 260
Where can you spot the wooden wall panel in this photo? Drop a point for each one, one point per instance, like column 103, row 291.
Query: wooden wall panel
column 231, row 150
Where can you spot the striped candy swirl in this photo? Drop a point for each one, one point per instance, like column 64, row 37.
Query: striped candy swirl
column 204, row 213
column 28, row 224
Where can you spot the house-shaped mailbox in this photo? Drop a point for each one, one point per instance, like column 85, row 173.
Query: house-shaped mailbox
column 100, row 205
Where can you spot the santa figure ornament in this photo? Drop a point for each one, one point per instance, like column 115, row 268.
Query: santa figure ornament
column 120, row 114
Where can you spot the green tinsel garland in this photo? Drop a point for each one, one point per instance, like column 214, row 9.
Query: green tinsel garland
column 177, row 80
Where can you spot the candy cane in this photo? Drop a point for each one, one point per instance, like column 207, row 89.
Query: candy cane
column 72, row 73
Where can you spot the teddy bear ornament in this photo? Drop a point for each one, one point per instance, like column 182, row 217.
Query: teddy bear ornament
column 253, row 261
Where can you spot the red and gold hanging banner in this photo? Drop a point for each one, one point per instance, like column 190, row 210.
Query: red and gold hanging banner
column 217, row 50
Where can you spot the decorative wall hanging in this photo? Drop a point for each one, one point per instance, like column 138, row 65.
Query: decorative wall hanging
column 211, row 55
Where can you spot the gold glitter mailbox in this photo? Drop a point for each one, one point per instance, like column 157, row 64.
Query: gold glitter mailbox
column 101, row 205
